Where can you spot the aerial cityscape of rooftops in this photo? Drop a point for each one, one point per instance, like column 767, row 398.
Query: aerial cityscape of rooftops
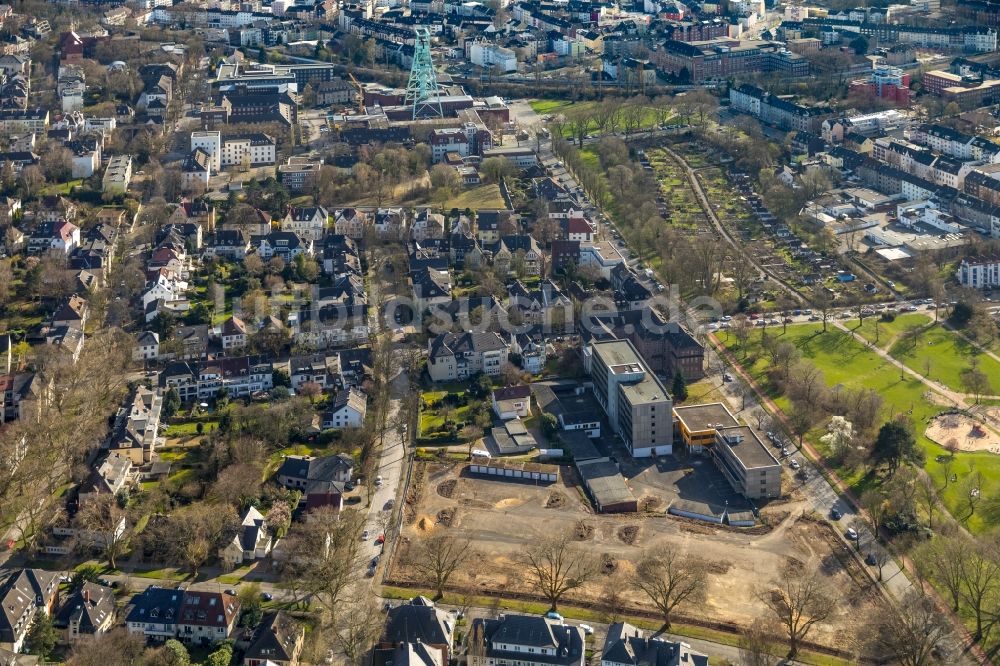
column 499, row 333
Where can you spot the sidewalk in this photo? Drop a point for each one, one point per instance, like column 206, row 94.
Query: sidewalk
column 893, row 581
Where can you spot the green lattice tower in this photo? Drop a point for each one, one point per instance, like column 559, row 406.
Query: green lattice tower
column 422, row 89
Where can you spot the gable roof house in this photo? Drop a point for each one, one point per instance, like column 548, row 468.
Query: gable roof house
column 107, row 478
column 390, row 222
column 89, row 612
column 154, row 612
column 253, row 540
column 136, row 426
column 308, row 222
column 23, row 593
column 427, row 224
column 231, row 244
column 419, row 621
column 515, row 245
column 626, row 645
column 454, row 356
column 277, row 640
column 233, row 333
column 284, row 244
column 527, row 640
column 350, row 222
column 511, row 402
column 207, row 617
column 430, row 287
column 72, row 311
column 321, row 480
column 347, row 410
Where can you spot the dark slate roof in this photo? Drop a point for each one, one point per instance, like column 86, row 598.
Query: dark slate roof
column 91, row 606
column 418, row 621
column 156, row 604
column 275, row 638
column 309, row 468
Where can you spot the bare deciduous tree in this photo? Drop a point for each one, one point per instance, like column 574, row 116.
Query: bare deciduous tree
column 357, row 626
column 908, row 632
column 555, row 568
column 800, row 600
column 757, row 644
column 669, row 579
column 107, row 523
column 323, row 553
column 437, row 559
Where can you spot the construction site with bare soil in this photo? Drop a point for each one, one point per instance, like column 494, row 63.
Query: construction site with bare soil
column 501, row 518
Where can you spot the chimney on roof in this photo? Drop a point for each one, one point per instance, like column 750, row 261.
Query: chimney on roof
column 86, row 595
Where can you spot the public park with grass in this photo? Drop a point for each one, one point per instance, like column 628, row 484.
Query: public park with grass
column 848, row 363
column 545, row 107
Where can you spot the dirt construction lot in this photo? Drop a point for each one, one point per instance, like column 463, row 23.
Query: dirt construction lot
column 499, row 517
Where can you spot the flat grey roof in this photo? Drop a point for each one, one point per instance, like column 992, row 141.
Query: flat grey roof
column 578, row 445
column 705, row 416
column 605, row 481
column 621, row 357
column 750, row 451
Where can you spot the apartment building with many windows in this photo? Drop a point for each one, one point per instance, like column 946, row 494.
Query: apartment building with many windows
column 635, row 401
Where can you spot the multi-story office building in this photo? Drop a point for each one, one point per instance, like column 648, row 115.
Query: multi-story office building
column 746, row 463
column 635, row 401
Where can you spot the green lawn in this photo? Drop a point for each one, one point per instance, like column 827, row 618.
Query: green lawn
column 433, row 418
column 187, row 428
column 948, row 355
column 545, row 107
column 845, row 361
column 477, row 198
column 887, row 330
column 589, row 156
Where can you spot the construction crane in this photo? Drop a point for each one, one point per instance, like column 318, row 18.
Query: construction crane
column 361, row 92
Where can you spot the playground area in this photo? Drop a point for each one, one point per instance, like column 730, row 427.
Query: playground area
column 963, row 433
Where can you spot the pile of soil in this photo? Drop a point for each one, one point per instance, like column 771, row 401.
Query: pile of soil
column 445, row 516
column 650, row 503
column 413, row 495
column 583, row 531
column 609, row 565
column 447, row 488
column 556, row 500
column 628, row 534
column 425, row 524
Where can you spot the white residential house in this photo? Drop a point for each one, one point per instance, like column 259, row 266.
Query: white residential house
column 233, row 333
column 253, row 541
column 979, row 272
column 147, row 346
column 347, row 410
column 308, row 222
column 211, row 143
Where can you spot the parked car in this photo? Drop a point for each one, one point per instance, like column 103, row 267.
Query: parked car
column 552, row 615
column 380, row 539
column 378, row 480
column 852, row 534
column 784, row 450
column 364, row 535
column 587, row 629
column 835, row 515
column 267, row 596
column 794, row 464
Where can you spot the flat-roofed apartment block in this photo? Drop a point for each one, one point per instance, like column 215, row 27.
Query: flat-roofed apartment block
column 746, row 463
column 637, row 404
